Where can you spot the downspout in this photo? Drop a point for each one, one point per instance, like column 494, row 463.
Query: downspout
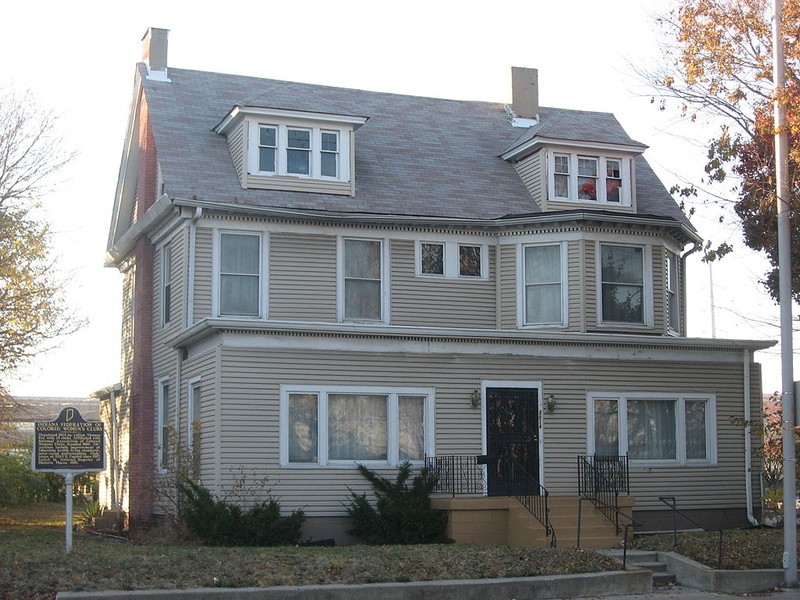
column 748, row 461
column 694, row 248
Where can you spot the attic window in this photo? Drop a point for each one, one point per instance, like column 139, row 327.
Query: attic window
column 299, row 151
column 597, row 179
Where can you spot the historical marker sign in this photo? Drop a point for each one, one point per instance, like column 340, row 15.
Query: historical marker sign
column 69, row 444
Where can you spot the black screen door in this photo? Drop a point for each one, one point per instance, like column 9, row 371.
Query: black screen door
column 512, row 436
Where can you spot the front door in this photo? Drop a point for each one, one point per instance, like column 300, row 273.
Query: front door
column 512, row 436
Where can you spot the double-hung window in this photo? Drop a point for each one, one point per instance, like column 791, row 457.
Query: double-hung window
column 345, row 426
column 163, row 424
column 673, row 311
column 195, row 427
column 362, row 266
column 166, row 284
column 543, row 285
column 240, row 274
column 622, row 284
column 329, row 153
column 267, row 148
column 298, row 151
column 578, row 177
column 653, row 428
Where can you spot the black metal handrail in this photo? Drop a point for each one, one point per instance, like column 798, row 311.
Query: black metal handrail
column 531, row 494
column 619, row 513
column 672, row 504
column 602, row 479
column 457, row 474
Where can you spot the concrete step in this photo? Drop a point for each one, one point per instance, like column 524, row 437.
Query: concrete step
column 649, row 561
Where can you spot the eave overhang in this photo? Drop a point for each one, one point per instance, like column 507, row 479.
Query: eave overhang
column 523, row 148
column 239, row 112
column 149, row 221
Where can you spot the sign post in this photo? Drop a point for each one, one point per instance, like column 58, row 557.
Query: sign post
column 69, row 445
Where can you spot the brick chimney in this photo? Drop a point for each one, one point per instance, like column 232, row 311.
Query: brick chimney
column 525, row 92
column 154, row 53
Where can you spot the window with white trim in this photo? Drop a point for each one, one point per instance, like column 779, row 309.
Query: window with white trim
column 452, row 259
column 653, row 428
column 543, row 274
column 578, row 177
column 344, row 426
column 622, row 284
column 195, row 424
column 362, row 265
column 299, row 151
column 240, row 274
column 163, row 424
column 673, row 310
column 166, row 284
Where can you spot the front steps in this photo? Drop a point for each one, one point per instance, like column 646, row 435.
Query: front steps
column 503, row 520
column 643, row 559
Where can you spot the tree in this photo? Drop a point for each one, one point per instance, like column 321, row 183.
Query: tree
column 33, row 311
column 719, row 63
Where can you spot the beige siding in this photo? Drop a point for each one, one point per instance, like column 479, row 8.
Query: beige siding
column 659, row 290
column 249, row 416
column 236, row 145
column 297, row 184
column 507, row 268
column 202, row 274
column 302, row 277
column 531, row 171
column 576, row 285
column 590, row 281
column 439, row 301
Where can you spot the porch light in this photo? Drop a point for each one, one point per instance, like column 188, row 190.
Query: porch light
column 551, row 403
column 475, row 398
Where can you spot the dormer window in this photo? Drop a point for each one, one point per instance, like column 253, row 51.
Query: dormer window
column 578, row 177
column 296, row 151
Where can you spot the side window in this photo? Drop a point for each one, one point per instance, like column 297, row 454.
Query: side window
column 163, row 424
column 195, row 425
column 469, row 261
column 362, row 264
column 673, row 309
column 240, row 274
column 431, row 258
column 166, row 284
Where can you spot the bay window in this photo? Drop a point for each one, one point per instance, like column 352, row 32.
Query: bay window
column 239, row 274
column 653, row 428
column 543, row 287
column 622, row 285
column 345, row 426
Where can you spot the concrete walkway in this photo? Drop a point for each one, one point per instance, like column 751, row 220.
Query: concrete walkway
column 684, row 593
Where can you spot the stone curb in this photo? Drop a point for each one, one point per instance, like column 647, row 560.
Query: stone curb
column 693, row 574
column 524, row 588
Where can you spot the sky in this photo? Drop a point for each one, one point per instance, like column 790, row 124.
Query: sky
column 78, row 58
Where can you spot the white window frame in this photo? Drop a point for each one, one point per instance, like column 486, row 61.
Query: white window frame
column 522, row 319
column 647, row 285
column 680, row 399
column 166, row 284
column 194, row 384
column 263, row 284
column 392, row 430
column 672, row 298
column 625, row 195
column 340, row 283
column 452, row 259
column 315, row 151
column 162, row 423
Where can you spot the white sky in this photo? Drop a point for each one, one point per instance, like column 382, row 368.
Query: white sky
column 78, row 57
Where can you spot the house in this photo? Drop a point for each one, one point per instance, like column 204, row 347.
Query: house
column 316, row 277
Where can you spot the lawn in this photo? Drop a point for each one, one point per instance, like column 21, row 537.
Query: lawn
column 33, row 564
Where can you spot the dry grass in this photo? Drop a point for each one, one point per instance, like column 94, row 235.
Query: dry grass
column 33, row 564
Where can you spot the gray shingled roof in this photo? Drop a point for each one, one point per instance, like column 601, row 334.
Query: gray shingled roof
column 414, row 156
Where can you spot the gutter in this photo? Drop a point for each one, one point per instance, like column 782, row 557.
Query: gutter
column 147, row 223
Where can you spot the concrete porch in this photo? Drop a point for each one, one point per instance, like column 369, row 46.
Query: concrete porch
column 503, row 520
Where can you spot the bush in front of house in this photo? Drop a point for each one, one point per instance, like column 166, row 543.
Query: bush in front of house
column 221, row 523
column 403, row 513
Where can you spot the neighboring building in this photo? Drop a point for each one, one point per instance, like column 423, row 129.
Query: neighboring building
column 316, row 277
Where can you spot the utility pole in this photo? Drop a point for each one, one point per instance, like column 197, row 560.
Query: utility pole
column 785, row 300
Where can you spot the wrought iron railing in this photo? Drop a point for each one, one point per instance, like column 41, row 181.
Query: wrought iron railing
column 673, row 505
column 619, row 514
column 464, row 475
column 457, row 475
column 602, row 479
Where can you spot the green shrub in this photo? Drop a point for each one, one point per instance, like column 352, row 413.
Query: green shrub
column 403, row 514
column 221, row 523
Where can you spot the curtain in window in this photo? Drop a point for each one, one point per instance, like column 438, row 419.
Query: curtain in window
column 651, row 429
column 543, row 284
column 696, row 429
column 303, row 428
column 357, row 427
column 239, row 274
column 362, row 279
column 411, row 414
column 622, row 274
column 606, row 427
